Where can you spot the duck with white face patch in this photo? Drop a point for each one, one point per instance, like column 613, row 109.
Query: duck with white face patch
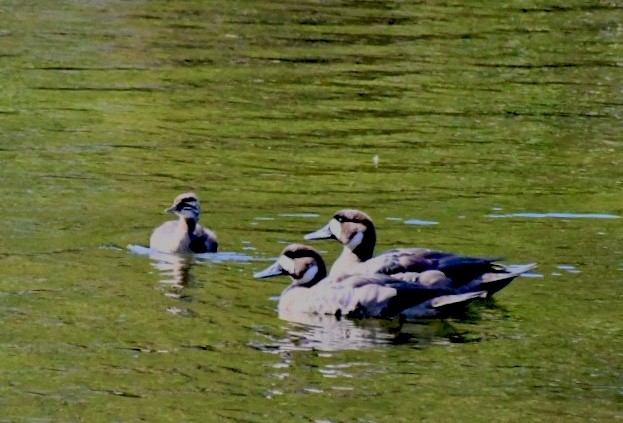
column 184, row 235
column 355, row 231
column 312, row 292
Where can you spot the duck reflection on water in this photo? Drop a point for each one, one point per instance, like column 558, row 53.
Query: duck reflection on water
column 174, row 269
column 305, row 332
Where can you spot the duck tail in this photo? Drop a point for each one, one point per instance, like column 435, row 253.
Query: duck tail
column 495, row 281
column 440, row 306
column 454, row 299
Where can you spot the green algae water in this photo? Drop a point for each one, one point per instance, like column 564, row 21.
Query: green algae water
column 480, row 128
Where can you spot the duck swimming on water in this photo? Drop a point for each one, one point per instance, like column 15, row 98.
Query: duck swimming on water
column 184, row 235
column 355, row 231
column 312, row 292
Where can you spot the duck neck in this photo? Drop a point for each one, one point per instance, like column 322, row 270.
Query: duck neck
column 364, row 251
column 298, row 283
column 348, row 259
column 293, row 286
column 187, row 224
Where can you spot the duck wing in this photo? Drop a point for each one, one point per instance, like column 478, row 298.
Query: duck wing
column 203, row 241
column 440, row 306
column 492, row 282
column 381, row 295
column 400, row 260
column 461, row 269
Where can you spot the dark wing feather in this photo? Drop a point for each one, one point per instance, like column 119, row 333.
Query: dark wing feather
column 202, row 242
column 461, row 269
column 408, row 294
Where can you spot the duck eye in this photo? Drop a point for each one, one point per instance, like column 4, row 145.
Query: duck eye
column 339, row 218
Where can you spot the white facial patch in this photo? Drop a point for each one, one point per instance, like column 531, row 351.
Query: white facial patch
column 336, row 228
column 287, row 264
column 355, row 241
column 309, row 274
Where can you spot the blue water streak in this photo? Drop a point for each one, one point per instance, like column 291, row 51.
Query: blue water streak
column 556, row 215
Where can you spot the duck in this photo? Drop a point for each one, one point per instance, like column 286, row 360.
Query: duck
column 184, row 235
column 312, row 291
column 355, row 230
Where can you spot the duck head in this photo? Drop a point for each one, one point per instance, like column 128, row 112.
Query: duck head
column 302, row 263
column 186, row 205
column 353, row 228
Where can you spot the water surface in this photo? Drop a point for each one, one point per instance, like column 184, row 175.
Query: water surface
column 278, row 114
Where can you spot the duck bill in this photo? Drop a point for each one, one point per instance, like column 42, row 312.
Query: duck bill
column 322, row 233
column 171, row 209
column 274, row 269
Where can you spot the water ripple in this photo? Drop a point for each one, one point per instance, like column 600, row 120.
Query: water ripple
column 556, row 215
column 420, row 222
column 417, row 222
column 568, row 268
column 308, row 215
column 225, row 256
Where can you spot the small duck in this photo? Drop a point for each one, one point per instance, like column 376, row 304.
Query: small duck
column 184, row 235
column 355, row 230
column 312, row 292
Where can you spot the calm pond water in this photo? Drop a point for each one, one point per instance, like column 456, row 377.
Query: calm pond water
column 482, row 129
